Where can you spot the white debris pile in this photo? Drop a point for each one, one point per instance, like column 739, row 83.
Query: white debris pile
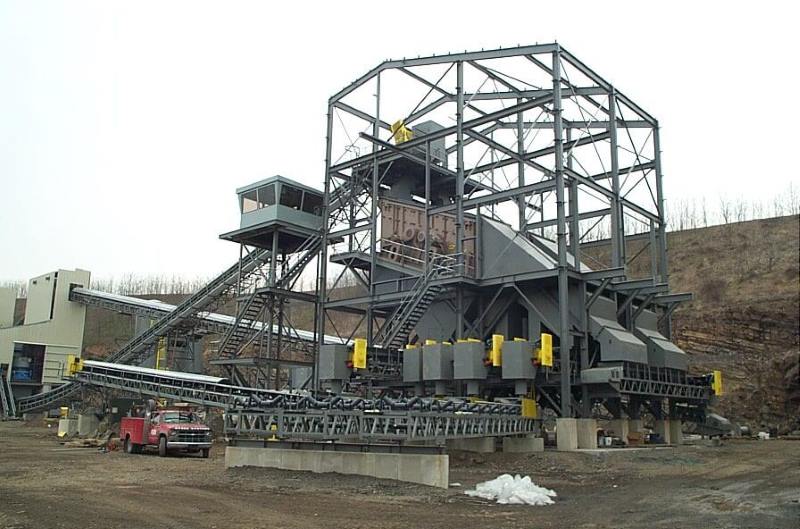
column 508, row 489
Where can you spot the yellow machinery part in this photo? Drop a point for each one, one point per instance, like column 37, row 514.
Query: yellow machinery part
column 161, row 354
column 74, row 364
column 430, row 342
column 529, row 408
column 517, row 339
column 546, row 350
column 360, row 353
column 716, row 383
column 400, row 132
column 496, row 354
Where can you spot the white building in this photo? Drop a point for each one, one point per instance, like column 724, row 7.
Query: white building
column 32, row 355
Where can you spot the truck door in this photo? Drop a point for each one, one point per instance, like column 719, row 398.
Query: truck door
column 152, row 428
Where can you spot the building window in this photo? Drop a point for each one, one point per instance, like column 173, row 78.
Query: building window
column 291, row 196
column 266, row 196
column 249, row 201
column 312, row 203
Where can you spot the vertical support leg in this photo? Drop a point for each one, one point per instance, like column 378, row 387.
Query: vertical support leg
column 565, row 338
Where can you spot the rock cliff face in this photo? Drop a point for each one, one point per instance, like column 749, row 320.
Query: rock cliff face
column 745, row 318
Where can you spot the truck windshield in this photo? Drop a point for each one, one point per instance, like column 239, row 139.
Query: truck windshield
column 176, row 417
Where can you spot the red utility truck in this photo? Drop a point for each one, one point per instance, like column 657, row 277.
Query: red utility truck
column 168, row 429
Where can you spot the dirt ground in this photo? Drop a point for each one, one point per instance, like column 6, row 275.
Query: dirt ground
column 739, row 484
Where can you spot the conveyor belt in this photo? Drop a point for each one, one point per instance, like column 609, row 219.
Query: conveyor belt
column 137, row 348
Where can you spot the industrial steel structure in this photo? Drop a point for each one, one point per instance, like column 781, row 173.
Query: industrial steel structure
column 462, row 188
column 449, row 248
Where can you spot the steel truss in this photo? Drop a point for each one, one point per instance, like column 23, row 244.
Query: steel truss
column 533, row 137
column 373, row 425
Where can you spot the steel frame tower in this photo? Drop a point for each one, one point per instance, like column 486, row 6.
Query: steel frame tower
column 532, row 137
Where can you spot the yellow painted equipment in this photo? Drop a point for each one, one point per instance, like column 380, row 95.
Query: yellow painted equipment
column 430, row 342
column 496, row 354
column 161, row 354
column 517, row 339
column 716, row 383
column 360, row 353
column 74, row 364
column 400, row 132
column 529, row 408
column 546, row 350
column 411, row 346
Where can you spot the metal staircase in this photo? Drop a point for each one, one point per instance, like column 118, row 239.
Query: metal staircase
column 394, row 333
column 247, row 325
column 8, row 407
column 138, row 348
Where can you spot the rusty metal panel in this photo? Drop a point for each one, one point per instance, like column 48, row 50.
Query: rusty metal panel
column 403, row 235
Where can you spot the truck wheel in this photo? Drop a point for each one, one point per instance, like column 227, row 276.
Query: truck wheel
column 162, row 447
column 206, row 451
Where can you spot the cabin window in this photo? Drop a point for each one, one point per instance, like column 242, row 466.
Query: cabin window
column 266, row 196
column 291, row 196
column 312, row 203
column 249, row 201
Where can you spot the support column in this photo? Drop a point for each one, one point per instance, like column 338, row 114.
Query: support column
column 323, row 256
column 460, row 194
column 563, row 281
column 617, row 226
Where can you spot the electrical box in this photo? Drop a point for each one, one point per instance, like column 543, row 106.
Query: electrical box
column 333, row 360
column 412, row 365
column 437, row 362
column 468, row 361
column 360, row 353
column 518, row 360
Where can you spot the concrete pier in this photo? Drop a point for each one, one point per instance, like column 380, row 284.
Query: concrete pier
column 523, row 445
column 566, row 434
column 662, row 428
column 587, row 434
column 675, row 431
column 87, row 424
column 620, row 428
column 426, row 469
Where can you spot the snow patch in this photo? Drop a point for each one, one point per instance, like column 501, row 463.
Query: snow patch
column 508, row 489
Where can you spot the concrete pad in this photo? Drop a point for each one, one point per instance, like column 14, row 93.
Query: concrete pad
column 676, row 431
column 483, row 445
column 87, row 424
column 620, row 428
column 662, row 428
column 523, row 445
column 67, row 427
column 587, row 434
column 426, row 469
column 566, row 434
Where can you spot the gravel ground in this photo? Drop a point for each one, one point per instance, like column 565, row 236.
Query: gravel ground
column 739, row 484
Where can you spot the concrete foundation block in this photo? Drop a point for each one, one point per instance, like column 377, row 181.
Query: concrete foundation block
column 620, row 428
column 567, row 434
column 483, row 445
column 662, row 428
column 88, row 424
column 523, row 445
column 67, row 427
column 635, row 426
column 587, row 434
column 426, row 469
column 675, row 431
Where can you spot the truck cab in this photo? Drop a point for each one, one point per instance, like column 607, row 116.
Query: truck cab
column 167, row 430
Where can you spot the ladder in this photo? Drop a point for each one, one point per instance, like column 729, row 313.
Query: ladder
column 395, row 331
column 246, row 327
column 8, row 408
column 135, row 351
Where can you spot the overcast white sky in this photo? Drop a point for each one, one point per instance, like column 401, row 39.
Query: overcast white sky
column 125, row 127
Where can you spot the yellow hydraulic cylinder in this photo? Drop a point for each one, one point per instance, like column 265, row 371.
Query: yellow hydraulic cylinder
column 496, row 354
